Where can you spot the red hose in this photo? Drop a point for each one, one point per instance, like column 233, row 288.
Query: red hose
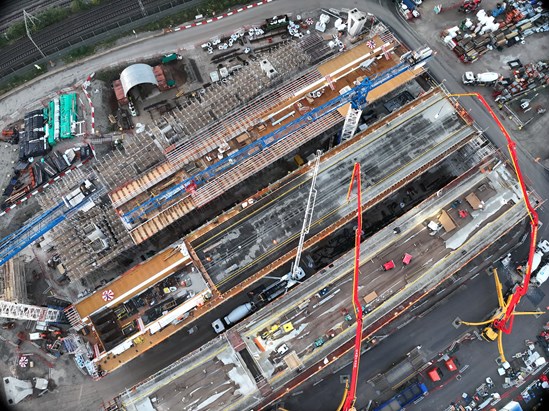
column 505, row 324
column 351, row 394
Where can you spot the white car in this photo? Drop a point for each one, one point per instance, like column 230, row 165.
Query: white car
column 282, row 349
column 544, row 246
column 133, row 110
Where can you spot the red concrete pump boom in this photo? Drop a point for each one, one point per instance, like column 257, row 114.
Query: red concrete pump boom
column 505, row 323
column 350, row 398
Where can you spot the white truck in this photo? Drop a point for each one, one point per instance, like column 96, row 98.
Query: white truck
column 541, row 276
column 233, row 317
column 482, row 79
column 541, row 250
column 78, row 195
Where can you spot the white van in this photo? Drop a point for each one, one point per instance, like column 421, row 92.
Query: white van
column 541, row 276
column 536, row 260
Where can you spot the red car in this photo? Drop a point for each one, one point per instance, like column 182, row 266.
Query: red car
column 407, row 258
column 389, row 265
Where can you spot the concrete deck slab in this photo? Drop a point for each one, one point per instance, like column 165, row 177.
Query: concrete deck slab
column 270, row 228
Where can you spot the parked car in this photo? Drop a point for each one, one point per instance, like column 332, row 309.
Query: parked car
column 389, row 265
column 406, row 259
column 322, row 292
column 282, row 349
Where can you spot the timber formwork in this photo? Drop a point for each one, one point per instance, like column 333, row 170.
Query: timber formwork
column 13, row 282
column 346, row 71
column 75, row 249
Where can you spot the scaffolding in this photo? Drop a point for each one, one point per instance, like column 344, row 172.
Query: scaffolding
column 77, row 251
column 186, row 131
column 154, row 214
column 13, row 284
column 119, row 168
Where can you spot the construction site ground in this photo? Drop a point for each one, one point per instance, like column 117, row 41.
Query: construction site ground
column 498, row 219
column 425, row 325
column 112, row 362
column 383, row 246
column 530, row 138
column 318, row 317
column 283, row 113
column 71, row 379
column 261, row 233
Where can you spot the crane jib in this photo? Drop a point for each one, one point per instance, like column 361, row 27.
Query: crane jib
column 356, row 96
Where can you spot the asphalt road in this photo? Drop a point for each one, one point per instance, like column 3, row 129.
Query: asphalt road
column 442, row 66
column 434, row 333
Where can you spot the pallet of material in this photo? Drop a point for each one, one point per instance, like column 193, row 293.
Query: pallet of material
column 459, row 50
column 501, row 43
column 483, row 41
column 467, row 45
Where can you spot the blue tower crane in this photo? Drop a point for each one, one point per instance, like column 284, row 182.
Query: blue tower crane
column 13, row 243
column 357, row 96
column 31, row 231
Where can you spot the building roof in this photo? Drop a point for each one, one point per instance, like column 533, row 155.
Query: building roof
column 119, row 92
column 137, row 74
column 134, row 281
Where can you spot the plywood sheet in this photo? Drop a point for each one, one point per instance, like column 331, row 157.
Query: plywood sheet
column 474, row 201
column 393, row 84
column 352, row 57
column 446, row 221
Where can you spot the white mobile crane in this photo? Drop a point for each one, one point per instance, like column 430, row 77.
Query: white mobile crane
column 297, row 274
column 287, row 281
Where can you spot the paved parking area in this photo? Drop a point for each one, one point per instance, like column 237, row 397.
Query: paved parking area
column 530, row 138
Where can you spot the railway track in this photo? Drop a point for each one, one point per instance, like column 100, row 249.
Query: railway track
column 12, row 10
column 76, row 29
